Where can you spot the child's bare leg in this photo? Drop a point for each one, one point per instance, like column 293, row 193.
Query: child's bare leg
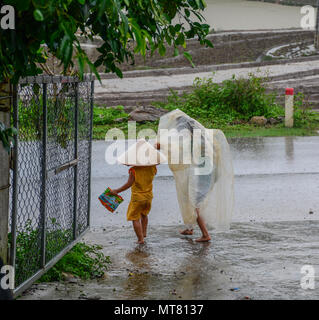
column 205, row 235
column 186, row 232
column 144, row 221
column 138, row 230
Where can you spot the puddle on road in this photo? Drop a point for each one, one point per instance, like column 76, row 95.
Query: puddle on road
column 259, row 261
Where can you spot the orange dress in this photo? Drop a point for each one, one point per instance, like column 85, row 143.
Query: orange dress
column 142, row 192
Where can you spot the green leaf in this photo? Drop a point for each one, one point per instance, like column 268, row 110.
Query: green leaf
column 208, row 43
column 172, row 31
column 119, row 73
column 161, row 49
column 38, row 15
column 7, row 136
column 93, row 69
column 198, row 3
column 102, row 9
column 180, row 39
column 67, row 54
column 81, row 66
column 203, row 2
column 81, row 1
column 178, row 27
column 189, row 58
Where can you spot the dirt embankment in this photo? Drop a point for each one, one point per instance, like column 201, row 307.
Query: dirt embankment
column 229, row 47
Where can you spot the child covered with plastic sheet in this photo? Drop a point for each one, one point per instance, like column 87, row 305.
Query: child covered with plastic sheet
column 201, row 163
column 143, row 158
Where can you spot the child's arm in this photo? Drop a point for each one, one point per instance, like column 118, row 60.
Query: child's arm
column 126, row 186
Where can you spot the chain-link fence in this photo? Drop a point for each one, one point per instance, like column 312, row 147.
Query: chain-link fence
column 50, row 177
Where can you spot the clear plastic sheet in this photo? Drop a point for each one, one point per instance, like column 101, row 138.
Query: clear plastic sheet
column 201, row 163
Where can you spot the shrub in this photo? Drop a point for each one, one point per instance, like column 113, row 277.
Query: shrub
column 84, row 261
column 234, row 99
column 303, row 114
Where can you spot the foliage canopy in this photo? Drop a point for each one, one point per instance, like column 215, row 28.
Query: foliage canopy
column 126, row 27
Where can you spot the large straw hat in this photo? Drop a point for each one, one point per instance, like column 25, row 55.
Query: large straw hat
column 140, row 154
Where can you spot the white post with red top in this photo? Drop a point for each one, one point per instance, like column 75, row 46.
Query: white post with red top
column 289, row 108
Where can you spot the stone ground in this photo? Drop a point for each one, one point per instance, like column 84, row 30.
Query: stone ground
column 274, row 233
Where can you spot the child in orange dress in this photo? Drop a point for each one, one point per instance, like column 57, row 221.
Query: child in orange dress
column 141, row 183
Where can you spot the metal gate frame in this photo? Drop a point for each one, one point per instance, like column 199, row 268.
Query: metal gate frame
column 44, row 81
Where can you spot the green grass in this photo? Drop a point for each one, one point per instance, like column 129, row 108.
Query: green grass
column 307, row 124
column 273, row 131
column 99, row 131
column 231, row 131
column 105, row 116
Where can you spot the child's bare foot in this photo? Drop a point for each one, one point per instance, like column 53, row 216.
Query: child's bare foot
column 187, row 232
column 203, row 239
column 140, row 242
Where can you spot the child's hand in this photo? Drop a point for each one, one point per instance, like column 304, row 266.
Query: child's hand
column 113, row 192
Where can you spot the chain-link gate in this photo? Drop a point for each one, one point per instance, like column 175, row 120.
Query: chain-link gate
column 51, row 172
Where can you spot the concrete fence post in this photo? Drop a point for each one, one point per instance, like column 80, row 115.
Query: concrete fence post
column 289, row 108
column 5, row 105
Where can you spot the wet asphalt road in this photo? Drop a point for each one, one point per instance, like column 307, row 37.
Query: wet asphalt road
column 272, row 235
column 276, row 179
column 251, row 261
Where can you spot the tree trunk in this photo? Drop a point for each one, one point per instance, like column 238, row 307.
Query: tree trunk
column 5, row 105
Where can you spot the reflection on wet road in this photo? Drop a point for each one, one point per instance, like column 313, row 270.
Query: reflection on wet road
column 253, row 260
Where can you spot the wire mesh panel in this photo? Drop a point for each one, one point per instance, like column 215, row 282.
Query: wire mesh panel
column 84, row 155
column 60, row 187
column 51, row 176
column 30, row 180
